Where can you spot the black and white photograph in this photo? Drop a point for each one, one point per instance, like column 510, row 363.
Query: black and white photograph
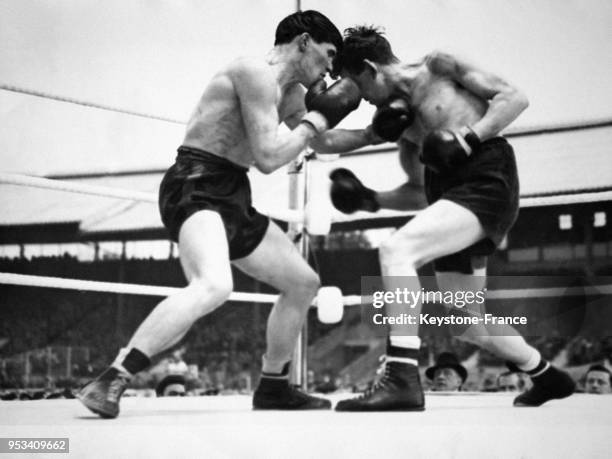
column 305, row 228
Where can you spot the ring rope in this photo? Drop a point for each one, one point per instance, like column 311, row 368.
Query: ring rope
column 348, row 300
column 70, row 100
column 565, row 199
column 288, row 215
column 132, row 289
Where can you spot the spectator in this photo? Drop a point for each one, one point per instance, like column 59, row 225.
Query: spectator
column 171, row 386
column 598, row 380
column 327, row 385
column 447, row 374
column 509, row 381
column 310, row 380
column 176, row 364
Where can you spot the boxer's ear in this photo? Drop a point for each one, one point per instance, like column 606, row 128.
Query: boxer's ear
column 370, row 67
column 303, row 41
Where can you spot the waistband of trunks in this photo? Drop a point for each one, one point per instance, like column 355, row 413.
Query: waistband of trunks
column 208, row 158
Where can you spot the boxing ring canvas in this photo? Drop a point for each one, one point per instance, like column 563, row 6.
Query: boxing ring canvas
column 458, row 426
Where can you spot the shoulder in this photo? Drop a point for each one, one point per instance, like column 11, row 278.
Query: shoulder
column 248, row 68
column 443, row 63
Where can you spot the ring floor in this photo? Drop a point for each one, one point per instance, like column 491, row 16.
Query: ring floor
column 470, row 426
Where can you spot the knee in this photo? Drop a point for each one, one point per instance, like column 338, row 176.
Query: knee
column 405, row 250
column 210, row 293
column 306, row 286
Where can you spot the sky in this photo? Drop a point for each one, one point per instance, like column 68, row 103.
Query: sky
column 155, row 56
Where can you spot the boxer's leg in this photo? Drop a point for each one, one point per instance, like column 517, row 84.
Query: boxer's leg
column 278, row 263
column 505, row 342
column 441, row 229
column 204, row 257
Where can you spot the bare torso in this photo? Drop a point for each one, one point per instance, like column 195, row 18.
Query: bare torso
column 440, row 103
column 217, row 125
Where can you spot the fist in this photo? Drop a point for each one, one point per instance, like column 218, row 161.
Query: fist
column 390, row 120
column 348, row 194
column 444, row 150
column 335, row 102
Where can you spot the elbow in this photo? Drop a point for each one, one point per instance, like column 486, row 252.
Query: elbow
column 265, row 165
column 520, row 100
column 524, row 102
column 265, row 169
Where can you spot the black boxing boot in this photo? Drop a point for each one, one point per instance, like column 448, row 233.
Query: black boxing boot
column 275, row 393
column 549, row 383
column 399, row 389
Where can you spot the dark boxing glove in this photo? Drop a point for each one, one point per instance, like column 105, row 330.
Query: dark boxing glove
column 444, row 149
column 333, row 103
column 348, row 194
column 392, row 119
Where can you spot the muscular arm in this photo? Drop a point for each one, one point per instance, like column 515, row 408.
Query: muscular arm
column 506, row 102
column 410, row 195
column 256, row 89
column 342, row 140
column 336, row 140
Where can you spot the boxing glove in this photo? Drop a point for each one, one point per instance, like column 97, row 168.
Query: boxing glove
column 348, row 194
column 333, row 103
column 391, row 119
column 444, row 150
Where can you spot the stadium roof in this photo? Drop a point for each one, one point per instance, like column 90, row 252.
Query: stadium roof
column 555, row 161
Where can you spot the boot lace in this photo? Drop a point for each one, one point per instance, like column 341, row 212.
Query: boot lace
column 382, row 379
column 117, row 387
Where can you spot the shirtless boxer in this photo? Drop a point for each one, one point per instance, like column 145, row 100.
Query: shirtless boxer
column 445, row 115
column 205, row 203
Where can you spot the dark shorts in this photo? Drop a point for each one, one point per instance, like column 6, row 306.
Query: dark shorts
column 487, row 185
column 199, row 180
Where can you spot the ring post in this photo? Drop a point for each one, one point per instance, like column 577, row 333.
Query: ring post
column 298, row 190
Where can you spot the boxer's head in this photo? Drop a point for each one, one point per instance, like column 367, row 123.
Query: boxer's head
column 317, row 39
column 365, row 52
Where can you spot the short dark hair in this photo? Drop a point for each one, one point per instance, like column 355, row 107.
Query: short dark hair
column 600, row 368
column 168, row 381
column 320, row 28
column 365, row 42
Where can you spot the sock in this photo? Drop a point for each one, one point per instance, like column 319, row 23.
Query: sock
column 131, row 361
column 275, row 368
column 409, row 342
column 534, row 367
column 274, row 382
column 403, row 349
column 541, row 367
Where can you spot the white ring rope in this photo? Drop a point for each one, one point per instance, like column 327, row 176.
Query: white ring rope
column 133, row 289
column 564, row 199
column 287, row 215
column 72, row 100
column 349, row 300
